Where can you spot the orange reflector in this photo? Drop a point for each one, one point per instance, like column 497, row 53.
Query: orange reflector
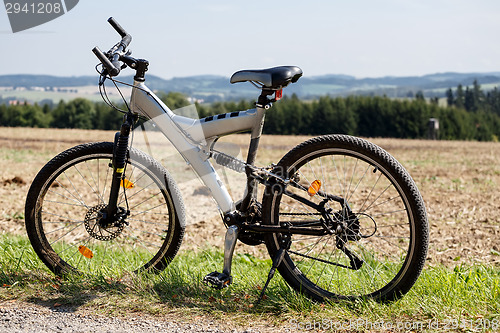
column 127, row 183
column 314, row 188
column 85, row 251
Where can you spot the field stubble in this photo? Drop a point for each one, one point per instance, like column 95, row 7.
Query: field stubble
column 459, row 182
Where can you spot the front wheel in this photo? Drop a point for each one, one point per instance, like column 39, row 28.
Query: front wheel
column 67, row 200
column 370, row 221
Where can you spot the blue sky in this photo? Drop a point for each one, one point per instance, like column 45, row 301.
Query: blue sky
column 363, row 38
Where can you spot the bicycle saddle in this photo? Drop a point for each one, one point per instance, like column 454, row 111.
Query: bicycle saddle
column 273, row 78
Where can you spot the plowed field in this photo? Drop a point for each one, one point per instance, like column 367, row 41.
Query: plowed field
column 459, row 181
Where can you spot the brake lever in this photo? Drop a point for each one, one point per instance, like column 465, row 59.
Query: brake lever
column 113, row 51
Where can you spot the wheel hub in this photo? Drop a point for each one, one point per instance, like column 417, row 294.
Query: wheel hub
column 99, row 230
column 346, row 226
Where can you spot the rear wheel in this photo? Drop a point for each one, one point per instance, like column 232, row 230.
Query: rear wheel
column 375, row 233
column 68, row 198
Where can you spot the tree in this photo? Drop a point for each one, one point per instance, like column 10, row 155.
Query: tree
column 3, row 115
column 324, row 116
column 469, row 103
column 79, row 113
column 449, row 97
column 174, row 100
column 344, row 120
column 460, row 97
column 34, row 116
column 420, row 95
column 477, row 95
column 293, row 113
column 492, row 100
column 275, row 120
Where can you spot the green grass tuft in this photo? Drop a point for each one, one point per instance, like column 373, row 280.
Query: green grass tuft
column 469, row 295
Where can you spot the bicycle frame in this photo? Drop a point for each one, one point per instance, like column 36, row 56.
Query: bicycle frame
column 194, row 137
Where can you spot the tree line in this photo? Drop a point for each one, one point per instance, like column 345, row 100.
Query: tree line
column 470, row 114
column 78, row 113
column 474, row 99
column 379, row 116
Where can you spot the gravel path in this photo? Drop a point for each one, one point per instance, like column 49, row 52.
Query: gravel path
column 21, row 317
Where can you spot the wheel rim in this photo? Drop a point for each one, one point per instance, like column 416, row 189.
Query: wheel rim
column 385, row 219
column 67, row 213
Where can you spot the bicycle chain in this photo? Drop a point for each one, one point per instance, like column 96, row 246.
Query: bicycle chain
column 299, row 214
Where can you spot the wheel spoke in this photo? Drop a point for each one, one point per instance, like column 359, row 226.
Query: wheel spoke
column 371, row 236
column 71, row 215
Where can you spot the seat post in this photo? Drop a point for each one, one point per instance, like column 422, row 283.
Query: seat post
column 263, row 104
column 264, row 101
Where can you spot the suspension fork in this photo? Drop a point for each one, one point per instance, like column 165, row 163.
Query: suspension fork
column 120, row 151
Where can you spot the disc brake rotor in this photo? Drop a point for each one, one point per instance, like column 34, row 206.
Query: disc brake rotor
column 97, row 231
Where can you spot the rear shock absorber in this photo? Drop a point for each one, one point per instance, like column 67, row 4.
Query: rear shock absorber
column 228, row 161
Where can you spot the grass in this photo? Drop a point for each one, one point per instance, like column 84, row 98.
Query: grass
column 469, row 295
column 458, row 180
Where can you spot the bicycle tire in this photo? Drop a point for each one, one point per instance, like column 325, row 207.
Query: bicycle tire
column 392, row 222
column 66, row 197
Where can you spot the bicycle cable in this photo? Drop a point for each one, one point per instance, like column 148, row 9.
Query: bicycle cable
column 104, row 93
column 107, row 100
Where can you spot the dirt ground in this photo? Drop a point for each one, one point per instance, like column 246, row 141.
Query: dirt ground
column 459, row 181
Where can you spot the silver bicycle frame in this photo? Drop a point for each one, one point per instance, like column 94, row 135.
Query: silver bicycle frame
column 193, row 137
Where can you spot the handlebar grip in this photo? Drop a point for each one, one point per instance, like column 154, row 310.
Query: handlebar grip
column 117, row 27
column 112, row 69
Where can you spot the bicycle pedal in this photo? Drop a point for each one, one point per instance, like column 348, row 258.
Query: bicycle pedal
column 218, row 280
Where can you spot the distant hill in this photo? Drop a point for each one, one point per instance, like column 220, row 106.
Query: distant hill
column 211, row 87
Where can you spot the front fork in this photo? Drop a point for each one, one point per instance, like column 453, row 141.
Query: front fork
column 120, row 150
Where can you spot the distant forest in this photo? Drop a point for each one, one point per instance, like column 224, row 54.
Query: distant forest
column 470, row 114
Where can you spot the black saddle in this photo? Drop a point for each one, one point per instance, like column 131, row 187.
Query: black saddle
column 271, row 78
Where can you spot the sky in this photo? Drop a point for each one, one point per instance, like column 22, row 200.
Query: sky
column 362, row 38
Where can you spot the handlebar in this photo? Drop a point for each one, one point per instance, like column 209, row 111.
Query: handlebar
column 117, row 27
column 111, row 60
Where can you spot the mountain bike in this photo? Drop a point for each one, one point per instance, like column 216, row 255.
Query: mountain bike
column 340, row 217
